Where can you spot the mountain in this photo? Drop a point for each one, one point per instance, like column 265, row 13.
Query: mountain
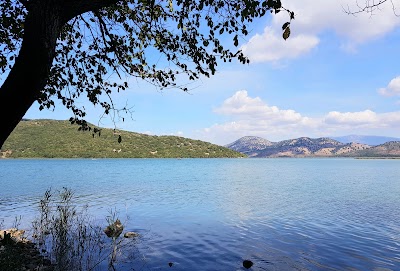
column 388, row 149
column 250, row 145
column 363, row 139
column 60, row 139
column 310, row 147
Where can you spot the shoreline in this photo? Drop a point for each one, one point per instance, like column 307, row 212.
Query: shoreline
column 17, row 252
column 182, row 158
column 377, row 158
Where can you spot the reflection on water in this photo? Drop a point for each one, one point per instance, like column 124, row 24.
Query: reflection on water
column 211, row 214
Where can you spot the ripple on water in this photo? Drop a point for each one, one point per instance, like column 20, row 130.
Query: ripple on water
column 211, row 214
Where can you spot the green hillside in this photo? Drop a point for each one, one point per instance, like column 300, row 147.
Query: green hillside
column 60, row 139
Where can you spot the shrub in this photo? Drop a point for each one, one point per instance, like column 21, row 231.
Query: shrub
column 70, row 238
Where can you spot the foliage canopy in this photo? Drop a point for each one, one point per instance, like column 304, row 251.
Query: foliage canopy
column 93, row 47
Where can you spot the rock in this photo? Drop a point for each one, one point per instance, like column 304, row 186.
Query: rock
column 131, row 234
column 170, row 264
column 22, row 253
column 247, row 264
column 13, row 231
column 114, row 230
column 15, row 234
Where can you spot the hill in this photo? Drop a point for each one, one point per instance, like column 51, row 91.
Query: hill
column 250, row 145
column 388, row 149
column 363, row 139
column 60, row 139
column 311, row 147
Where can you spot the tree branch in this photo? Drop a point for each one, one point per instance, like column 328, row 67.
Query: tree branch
column 369, row 7
column 104, row 31
column 74, row 8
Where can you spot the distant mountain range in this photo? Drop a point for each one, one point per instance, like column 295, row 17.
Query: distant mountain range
column 312, row 147
column 60, row 139
column 364, row 139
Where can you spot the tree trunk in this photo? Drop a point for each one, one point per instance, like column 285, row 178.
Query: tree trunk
column 28, row 76
column 30, row 72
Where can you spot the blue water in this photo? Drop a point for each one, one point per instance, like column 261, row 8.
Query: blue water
column 211, row 214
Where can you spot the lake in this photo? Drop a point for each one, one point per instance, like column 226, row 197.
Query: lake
column 211, row 214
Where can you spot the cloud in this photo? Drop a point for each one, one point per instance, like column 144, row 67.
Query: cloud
column 313, row 18
column 390, row 119
column 351, row 118
column 270, row 46
column 253, row 116
column 244, row 107
column 392, row 89
column 148, row 133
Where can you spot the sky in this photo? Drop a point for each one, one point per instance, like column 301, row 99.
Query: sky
column 337, row 74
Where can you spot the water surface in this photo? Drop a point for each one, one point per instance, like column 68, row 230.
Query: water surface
column 211, row 214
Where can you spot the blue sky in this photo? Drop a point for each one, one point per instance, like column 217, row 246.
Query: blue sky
column 336, row 75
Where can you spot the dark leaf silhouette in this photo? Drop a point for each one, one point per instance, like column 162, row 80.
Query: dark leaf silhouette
column 285, row 25
column 58, row 51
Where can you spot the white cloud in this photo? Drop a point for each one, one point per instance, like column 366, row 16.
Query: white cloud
column 244, row 107
column 351, row 118
column 148, row 132
column 392, row 89
column 390, row 119
column 317, row 16
column 270, row 46
column 313, row 18
column 253, row 116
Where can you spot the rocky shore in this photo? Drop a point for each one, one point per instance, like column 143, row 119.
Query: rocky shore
column 17, row 253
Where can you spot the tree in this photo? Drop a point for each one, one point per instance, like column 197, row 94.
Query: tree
column 69, row 49
column 369, row 6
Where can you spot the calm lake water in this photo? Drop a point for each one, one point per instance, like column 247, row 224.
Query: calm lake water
column 211, row 214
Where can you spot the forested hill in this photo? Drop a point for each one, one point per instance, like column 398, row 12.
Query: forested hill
column 60, row 139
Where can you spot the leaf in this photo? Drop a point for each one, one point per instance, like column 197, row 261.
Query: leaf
column 119, row 139
column 278, row 4
column 286, row 33
column 171, row 6
column 285, row 25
